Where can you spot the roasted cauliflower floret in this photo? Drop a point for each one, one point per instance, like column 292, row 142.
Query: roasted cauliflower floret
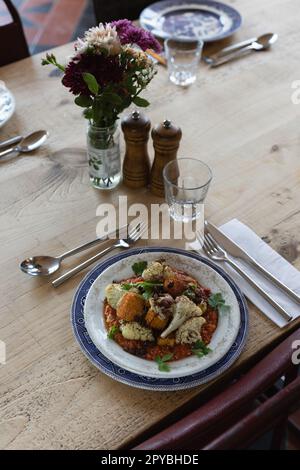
column 190, row 331
column 154, row 272
column 134, row 330
column 130, row 306
column 114, row 293
column 162, row 304
column 183, row 310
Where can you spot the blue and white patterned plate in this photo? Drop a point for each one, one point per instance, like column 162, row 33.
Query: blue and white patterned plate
column 106, row 355
column 7, row 104
column 204, row 19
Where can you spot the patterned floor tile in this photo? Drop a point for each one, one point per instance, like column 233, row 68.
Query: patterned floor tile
column 50, row 23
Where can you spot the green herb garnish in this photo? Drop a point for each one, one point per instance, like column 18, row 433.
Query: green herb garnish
column 161, row 361
column 113, row 330
column 139, row 267
column 200, row 349
column 147, row 287
column 190, row 292
column 217, row 301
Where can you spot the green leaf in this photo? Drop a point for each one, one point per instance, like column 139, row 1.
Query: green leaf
column 161, row 361
column 139, row 267
column 216, row 301
column 113, row 330
column 113, row 98
column 164, row 367
column 91, row 82
column 190, row 292
column 88, row 113
column 127, row 285
column 167, row 357
column 140, row 102
column 142, row 284
column 83, row 101
column 200, row 349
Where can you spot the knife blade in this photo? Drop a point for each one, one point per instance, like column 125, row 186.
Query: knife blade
column 236, row 251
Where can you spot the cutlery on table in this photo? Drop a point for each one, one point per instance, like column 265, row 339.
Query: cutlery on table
column 12, row 141
column 123, row 243
column 214, row 251
column 27, row 144
column 238, row 252
column 46, row 265
column 228, row 50
column 262, row 43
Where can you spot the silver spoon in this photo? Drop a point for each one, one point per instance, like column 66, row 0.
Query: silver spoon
column 28, row 144
column 261, row 44
column 46, row 265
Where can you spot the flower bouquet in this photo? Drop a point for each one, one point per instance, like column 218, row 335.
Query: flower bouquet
column 107, row 73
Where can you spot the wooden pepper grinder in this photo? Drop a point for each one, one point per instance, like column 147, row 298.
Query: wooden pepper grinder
column 136, row 166
column 166, row 138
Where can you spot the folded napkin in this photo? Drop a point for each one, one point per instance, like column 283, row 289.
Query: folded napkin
column 269, row 259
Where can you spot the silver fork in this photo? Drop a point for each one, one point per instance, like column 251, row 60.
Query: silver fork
column 214, row 251
column 124, row 243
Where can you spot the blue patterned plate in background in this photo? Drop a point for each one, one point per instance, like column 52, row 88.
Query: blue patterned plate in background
column 7, row 104
column 106, row 355
column 182, row 19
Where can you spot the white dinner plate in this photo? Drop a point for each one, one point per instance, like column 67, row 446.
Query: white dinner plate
column 7, row 104
column 107, row 355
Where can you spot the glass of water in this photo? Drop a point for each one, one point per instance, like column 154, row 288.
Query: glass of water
column 186, row 182
column 183, row 57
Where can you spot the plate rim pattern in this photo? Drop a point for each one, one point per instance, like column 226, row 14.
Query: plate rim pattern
column 227, row 9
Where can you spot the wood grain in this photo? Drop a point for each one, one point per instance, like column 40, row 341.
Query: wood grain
column 239, row 119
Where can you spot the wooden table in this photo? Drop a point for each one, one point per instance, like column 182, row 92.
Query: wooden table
column 239, row 119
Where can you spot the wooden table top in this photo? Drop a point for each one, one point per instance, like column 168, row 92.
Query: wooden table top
column 240, row 119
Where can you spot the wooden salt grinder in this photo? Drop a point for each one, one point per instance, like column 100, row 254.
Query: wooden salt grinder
column 136, row 166
column 166, row 138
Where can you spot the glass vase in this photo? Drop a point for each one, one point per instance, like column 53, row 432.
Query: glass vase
column 103, row 149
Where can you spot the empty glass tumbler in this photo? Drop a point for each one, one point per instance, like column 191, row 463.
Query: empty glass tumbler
column 186, row 182
column 183, row 57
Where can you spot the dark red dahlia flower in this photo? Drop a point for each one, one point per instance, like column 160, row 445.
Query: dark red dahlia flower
column 106, row 69
column 130, row 34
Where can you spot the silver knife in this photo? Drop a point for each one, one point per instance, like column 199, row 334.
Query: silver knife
column 238, row 252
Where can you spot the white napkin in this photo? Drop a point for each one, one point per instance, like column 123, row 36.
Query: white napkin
column 269, row 259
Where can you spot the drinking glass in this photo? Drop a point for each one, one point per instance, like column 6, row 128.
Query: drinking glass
column 186, row 182
column 183, row 57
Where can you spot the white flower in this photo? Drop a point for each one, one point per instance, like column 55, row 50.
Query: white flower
column 80, row 46
column 103, row 37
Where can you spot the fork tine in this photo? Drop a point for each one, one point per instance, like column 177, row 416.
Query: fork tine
column 213, row 242
column 203, row 243
column 209, row 242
